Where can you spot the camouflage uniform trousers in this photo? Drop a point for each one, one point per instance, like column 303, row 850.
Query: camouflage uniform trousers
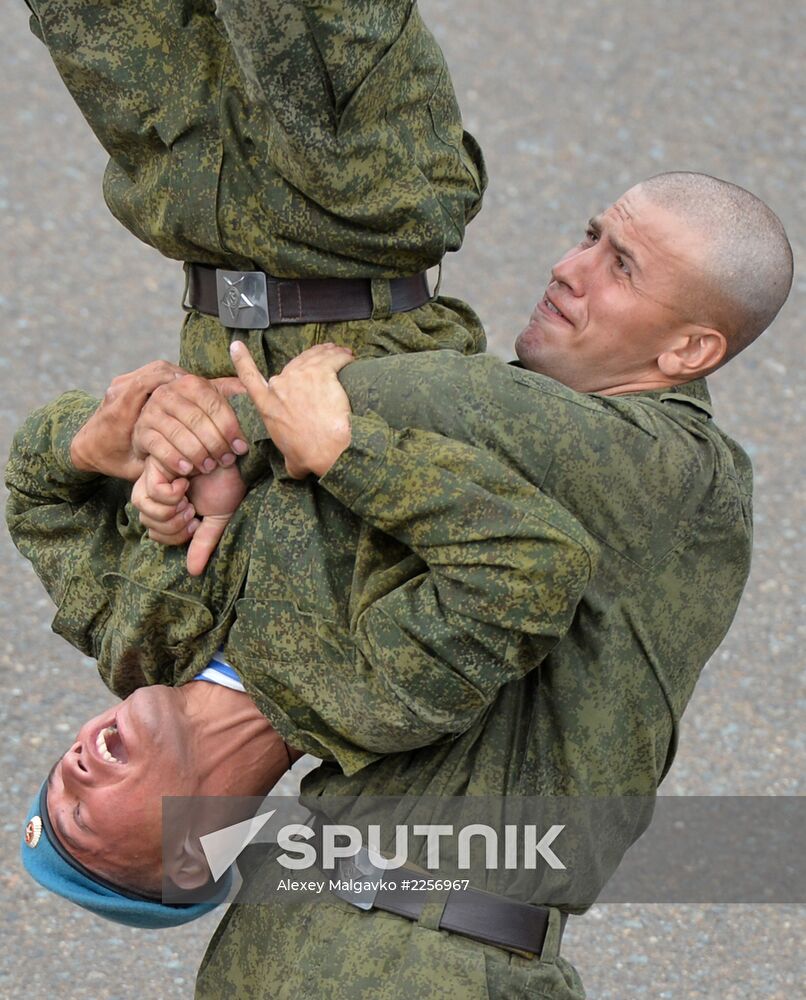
column 328, row 949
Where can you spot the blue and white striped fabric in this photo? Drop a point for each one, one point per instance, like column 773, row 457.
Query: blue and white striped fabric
column 218, row 671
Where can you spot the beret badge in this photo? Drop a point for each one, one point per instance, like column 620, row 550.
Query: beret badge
column 33, row 831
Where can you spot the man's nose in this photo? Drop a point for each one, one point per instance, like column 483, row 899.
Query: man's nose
column 75, row 766
column 574, row 268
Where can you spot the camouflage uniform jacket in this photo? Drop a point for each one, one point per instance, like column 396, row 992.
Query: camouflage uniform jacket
column 667, row 497
column 663, row 492
column 459, row 577
column 590, row 732
column 410, row 594
column 306, row 139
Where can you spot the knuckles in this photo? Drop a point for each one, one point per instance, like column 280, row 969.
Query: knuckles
column 194, row 382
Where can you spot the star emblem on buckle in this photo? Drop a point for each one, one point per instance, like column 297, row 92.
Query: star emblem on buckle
column 242, row 299
column 234, row 298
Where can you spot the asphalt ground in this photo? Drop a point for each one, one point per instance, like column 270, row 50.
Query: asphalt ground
column 572, row 102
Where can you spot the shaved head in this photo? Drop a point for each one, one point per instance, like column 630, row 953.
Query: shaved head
column 746, row 262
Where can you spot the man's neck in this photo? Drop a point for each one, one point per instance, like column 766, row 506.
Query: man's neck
column 238, row 751
column 647, row 385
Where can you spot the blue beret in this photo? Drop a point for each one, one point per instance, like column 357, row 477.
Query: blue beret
column 47, row 860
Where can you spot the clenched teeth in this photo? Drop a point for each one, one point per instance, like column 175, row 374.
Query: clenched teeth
column 100, row 744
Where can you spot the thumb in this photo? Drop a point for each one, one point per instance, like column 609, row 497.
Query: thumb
column 205, row 541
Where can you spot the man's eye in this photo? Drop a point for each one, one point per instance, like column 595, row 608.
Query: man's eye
column 622, row 264
column 591, row 236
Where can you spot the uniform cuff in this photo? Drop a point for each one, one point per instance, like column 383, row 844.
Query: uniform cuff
column 360, row 464
column 257, row 461
column 76, row 409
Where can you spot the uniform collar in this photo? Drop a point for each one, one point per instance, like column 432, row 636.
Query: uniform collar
column 694, row 393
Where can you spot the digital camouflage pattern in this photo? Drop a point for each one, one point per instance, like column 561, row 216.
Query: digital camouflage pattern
column 457, row 577
column 223, row 151
column 256, row 134
column 667, row 497
column 662, row 501
column 308, row 139
column 309, row 951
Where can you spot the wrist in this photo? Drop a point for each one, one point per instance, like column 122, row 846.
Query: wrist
column 79, row 455
column 334, row 448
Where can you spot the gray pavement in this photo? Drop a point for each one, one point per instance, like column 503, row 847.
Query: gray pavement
column 573, row 100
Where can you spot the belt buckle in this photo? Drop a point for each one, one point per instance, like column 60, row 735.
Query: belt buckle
column 358, row 868
column 243, row 301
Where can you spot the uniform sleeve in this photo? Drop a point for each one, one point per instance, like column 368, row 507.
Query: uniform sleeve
column 503, row 569
column 63, row 520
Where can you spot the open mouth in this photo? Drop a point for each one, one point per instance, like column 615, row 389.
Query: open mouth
column 110, row 746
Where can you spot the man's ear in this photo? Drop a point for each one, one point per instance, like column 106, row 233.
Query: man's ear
column 701, row 350
column 187, row 866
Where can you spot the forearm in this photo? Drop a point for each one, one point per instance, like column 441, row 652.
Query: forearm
column 464, row 574
column 41, row 470
column 503, row 569
column 55, row 512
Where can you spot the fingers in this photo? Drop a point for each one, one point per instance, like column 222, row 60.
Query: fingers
column 176, row 447
column 228, row 386
column 169, row 518
column 175, row 532
column 163, row 507
column 143, row 381
column 249, row 374
column 320, row 357
column 198, row 419
column 205, row 541
column 189, row 424
column 160, row 486
column 168, row 525
column 181, row 537
column 157, row 373
column 305, row 409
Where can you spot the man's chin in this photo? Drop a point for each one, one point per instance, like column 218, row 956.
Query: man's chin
column 528, row 349
column 521, row 344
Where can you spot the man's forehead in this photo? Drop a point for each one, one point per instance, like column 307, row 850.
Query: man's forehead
column 614, row 223
column 656, row 239
column 627, row 216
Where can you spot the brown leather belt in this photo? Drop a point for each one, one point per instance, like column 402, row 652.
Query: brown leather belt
column 483, row 916
column 253, row 300
column 474, row 913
